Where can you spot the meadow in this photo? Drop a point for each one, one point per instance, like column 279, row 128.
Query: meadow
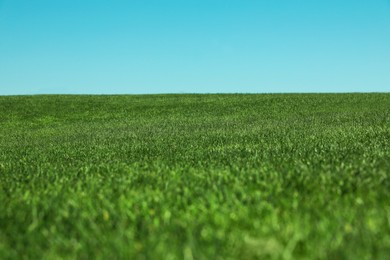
column 216, row 176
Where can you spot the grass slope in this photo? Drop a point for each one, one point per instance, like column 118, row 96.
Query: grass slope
column 195, row 176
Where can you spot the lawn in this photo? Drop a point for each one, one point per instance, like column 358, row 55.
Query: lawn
column 221, row 176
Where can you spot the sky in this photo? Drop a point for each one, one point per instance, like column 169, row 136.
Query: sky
column 193, row 46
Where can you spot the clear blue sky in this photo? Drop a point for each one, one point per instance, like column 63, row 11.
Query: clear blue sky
column 187, row 46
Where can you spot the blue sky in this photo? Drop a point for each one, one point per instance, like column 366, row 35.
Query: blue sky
column 188, row 46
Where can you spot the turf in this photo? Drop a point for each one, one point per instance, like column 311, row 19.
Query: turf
column 271, row 176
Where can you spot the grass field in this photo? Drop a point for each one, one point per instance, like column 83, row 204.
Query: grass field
column 279, row 176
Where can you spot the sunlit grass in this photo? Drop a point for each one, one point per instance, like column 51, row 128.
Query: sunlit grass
column 195, row 176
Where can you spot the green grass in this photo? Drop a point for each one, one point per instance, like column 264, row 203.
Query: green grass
column 302, row 176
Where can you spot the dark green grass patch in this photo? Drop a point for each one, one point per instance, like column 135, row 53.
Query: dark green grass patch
column 195, row 176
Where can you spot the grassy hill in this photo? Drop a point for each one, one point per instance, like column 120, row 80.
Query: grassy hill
column 195, row 176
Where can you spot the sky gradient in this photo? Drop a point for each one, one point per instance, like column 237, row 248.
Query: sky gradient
column 194, row 46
